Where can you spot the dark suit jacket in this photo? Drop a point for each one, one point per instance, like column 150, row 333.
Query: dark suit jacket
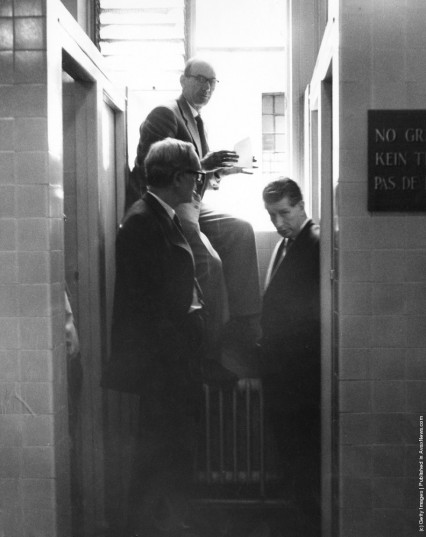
column 153, row 292
column 291, row 317
column 170, row 120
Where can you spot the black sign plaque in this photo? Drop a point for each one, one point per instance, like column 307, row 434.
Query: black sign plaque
column 397, row 160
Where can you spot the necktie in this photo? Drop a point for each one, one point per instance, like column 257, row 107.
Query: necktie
column 282, row 251
column 177, row 223
column 288, row 245
column 203, row 140
column 199, row 292
column 279, row 254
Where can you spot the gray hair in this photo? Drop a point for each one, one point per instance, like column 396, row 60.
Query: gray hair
column 165, row 158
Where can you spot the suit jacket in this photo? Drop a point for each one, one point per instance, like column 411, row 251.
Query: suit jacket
column 170, row 120
column 154, row 287
column 291, row 314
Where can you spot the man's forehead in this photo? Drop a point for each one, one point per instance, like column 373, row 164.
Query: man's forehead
column 202, row 68
column 282, row 204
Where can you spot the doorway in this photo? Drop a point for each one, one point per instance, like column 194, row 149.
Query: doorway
column 81, row 255
column 93, row 195
column 319, row 149
column 72, row 275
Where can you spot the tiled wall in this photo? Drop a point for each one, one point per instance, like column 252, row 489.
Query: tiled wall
column 33, row 435
column 382, row 281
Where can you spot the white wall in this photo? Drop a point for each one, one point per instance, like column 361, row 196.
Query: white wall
column 246, row 48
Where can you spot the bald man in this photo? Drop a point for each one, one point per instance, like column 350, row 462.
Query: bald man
column 223, row 246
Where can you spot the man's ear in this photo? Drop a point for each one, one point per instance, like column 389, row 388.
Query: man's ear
column 177, row 179
column 182, row 80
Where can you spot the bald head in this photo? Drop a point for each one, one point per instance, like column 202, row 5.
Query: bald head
column 198, row 82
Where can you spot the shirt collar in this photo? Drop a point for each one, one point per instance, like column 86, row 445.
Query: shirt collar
column 169, row 210
column 194, row 112
column 303, row 225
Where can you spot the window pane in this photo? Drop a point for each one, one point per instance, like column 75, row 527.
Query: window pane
column 268, row 142
column 279, row 105
column 279, row 143
column 279, row 124
column 267, row 124
column 278, row 163
column 267, row 104
column 278, row 157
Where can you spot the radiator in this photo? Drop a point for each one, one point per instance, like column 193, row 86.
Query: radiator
column 231, row 452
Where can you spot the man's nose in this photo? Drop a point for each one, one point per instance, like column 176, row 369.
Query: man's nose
column 278, row 221
column 209, row 84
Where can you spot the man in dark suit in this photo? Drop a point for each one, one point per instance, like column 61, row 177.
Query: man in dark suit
column 223, row 246
column 291, row 345
column 157, row 338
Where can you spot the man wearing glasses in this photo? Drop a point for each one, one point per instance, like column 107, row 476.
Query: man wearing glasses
column 223, row 246
column 158, row 340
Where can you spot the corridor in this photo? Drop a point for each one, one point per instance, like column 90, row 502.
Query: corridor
column 313, row 85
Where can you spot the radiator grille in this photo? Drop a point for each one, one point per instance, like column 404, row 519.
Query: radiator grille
column 231, row 448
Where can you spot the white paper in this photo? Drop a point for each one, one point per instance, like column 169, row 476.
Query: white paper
column 244, row 150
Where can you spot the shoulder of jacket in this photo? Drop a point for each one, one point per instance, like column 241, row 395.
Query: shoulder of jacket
column 315, row 230
column 309, row 236
column 139, row 212
column 312, row 230
column 171, row 105
column 165, row 110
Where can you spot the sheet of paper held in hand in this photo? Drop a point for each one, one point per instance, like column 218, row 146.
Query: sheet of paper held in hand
column 244, row 150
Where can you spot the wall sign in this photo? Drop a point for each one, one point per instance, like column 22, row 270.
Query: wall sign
column 397, row 160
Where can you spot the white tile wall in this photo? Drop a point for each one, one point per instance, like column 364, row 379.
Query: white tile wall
column 382, row 275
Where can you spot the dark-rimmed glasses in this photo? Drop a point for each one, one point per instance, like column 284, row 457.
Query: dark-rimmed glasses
column 198, row 173
column 203, row 80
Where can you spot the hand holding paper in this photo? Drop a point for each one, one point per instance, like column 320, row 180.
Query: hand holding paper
column 216, row 160
column 231, row 162
column 245, row 153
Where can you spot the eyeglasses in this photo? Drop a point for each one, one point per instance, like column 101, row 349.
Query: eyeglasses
column 203, row 80
column 199, row 175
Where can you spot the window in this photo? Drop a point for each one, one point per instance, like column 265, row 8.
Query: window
column 274, row 158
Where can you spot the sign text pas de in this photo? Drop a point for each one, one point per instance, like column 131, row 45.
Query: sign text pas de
column 397, row 160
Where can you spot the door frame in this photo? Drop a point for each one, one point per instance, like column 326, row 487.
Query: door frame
column 321, row 167
column 69, row 49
